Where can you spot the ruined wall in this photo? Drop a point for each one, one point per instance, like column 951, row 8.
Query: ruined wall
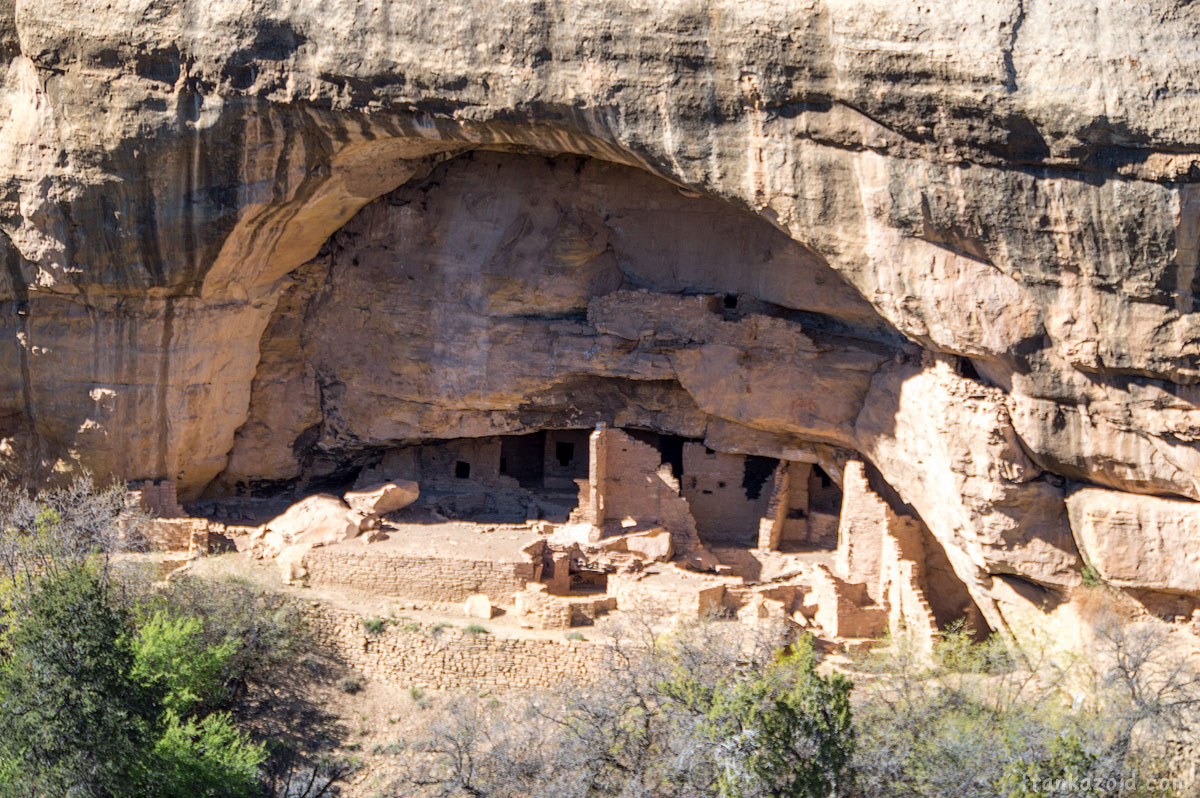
column 630, row 489
column 428, row 578
column 449, row 658
column 712, row 484
column 785, row 523
column 557, row 474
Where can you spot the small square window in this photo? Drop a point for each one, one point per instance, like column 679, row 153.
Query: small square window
column 462, row 470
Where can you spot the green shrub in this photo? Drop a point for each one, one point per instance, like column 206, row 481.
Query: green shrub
column 784, row 731
column 206, row 758
column 1090, row 576
column 374, row 626
column 350, row 685
column 476, row 629
column 73, row 721
column 171, row 656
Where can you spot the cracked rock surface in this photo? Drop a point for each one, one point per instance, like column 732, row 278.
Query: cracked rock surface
column 244, row 242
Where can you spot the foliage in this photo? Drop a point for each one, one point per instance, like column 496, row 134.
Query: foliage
column 266, row 629
column 476, row 629
column 978, row 723
column 206, row 758
column 171, row 655
column 108, row 681
column 781, row 731
column 72, row 720
column 374, row 626
column 46, row 534
column 1090, row 576
column 708, row 711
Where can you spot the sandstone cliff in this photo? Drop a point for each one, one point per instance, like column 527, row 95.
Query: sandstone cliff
column 245, row 242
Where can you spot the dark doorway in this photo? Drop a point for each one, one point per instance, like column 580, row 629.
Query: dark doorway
column 521, row 458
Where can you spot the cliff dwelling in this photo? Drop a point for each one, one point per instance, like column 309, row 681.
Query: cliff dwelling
column 568, row 370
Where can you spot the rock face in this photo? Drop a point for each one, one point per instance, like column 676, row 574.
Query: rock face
column 959, row 240
column 1139, row 541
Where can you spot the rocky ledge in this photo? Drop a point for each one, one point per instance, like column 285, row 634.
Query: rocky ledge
column 247, row 244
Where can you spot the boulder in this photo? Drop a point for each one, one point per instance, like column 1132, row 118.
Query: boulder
column 317, row 519
column 478, row 606
column 383, row 499
column 291, row 563
column 653, row 545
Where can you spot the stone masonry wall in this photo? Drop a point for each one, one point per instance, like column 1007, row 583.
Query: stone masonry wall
column 416, row 576
column 420, row 655
column 712, row 484
column 865, row 518
column 158, row 499
column 785, row 520
column 629, row 481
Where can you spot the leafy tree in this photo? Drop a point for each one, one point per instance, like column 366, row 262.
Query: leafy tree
column 205, row 758
column 171, row 655
column 783, row 731
column 72, row 721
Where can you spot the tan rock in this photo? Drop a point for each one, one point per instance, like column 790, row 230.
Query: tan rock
column 1139, row 541
column 941, row 195
column 291, row 563
column 317, row 519
column 653, row 545
column 383, row 499
column 478, row 606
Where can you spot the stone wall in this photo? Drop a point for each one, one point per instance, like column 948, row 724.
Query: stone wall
column 421, row 655
column 901, row 584
column 884, row 551
column 786, row 522
column 628, row 481
column 556, row 475
column 157, row 499
column 712, row 484
column 445, row 462
column 843, row 609
column 427, row 578
column 177, row 534
column 865, row 517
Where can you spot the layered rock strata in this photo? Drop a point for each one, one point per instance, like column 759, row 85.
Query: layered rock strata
column 248, row 244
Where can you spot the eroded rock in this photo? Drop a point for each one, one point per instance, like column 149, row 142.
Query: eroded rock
column 383, row 499
column 1139, row 541
column 752, row 219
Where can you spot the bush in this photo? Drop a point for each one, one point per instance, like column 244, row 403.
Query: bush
column 350, row 685
column 206, row 758
column 266, row 630
column 476, row 629
column 73, row 720
column 171, row 655
column 702, row 713
column 374, row 626
column 978, row 723
column 781, row 731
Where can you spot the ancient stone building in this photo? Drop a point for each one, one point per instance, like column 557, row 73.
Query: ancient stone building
column 961, row 248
